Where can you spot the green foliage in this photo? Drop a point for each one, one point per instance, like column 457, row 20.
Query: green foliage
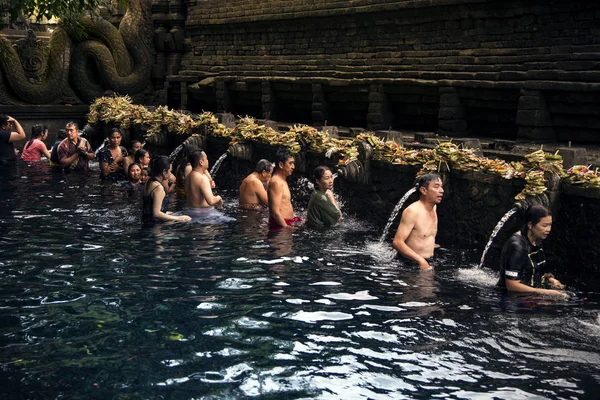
column 62, row 9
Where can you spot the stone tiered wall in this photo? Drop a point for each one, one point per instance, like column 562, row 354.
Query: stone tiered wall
column 513, row 69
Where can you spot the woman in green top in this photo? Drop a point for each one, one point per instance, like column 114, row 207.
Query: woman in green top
column 323, row 210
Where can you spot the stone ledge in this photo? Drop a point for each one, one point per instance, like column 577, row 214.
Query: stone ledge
column 578, row 190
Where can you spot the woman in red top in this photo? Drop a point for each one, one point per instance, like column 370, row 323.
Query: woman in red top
column 35, row 148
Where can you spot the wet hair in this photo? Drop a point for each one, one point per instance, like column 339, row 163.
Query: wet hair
column 319, row 172
column 196, row 157
column 113, row 130
column 263, row 165
column 139, row 155
column 534, row 215
column 133, row 165
column 424, row 180
column 3, row 119
column 73, row 124
column 36, row 131
column 282, row 155
column 159, row 165
column 133, row 143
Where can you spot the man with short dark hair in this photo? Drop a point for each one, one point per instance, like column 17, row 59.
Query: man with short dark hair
column 8, row 137
column 253, row 195
column 198, row 192
column 415, row 237
column 74, row 152
column 281, row 212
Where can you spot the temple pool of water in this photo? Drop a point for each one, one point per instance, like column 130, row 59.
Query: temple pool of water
column 94, row 306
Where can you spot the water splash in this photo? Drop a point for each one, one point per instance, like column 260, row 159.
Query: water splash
column 174, row 153
column 499, row 226
column 104, row 143
column 218, row 163
column 143, row 144
column 395, row 212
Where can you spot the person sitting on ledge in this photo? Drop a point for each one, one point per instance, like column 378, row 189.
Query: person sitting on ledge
column 111, row 158
column 154, row 199
column 323, row 210
column 415, row 237
column 35, row 148
column 8, row 137
column 281, row 212
column 253, row 195
column 523, row 261
column 198, row 191
column 74, row 152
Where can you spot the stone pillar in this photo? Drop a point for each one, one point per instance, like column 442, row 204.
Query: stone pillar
column 176, row 6
column 533, row 118
column 184, row 94
column 268, row 101
column 451, row 115
column 319, row 105
column 223, row 99
column 378, row 114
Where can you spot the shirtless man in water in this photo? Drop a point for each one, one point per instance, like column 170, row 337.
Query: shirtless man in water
column 198, row 190
column 253, row 195
column 281, row 213
column 415, row 237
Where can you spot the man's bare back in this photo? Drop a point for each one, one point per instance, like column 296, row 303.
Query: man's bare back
column 195, row 185
column 252, row 192
column 198, row 191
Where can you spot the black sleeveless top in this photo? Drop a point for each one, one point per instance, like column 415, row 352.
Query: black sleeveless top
column 147, row 205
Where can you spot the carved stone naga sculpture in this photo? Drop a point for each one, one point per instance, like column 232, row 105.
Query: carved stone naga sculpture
column 77, row 70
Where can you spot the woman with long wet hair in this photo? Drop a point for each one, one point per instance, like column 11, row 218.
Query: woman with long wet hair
column 154, row 198
column 523, row 262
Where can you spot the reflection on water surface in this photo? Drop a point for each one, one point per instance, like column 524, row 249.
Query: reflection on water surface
column 93, row 306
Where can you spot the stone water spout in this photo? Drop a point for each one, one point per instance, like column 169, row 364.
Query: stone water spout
column 353, row 172
column 241, row 151
column 539, row 200
column 195, row 142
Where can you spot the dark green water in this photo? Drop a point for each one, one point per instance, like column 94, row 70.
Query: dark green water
column 93, row 306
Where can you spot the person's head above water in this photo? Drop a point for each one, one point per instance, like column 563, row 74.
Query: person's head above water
column 430, row 188
column 4, row 124
column 538, row 223
column 72, row 131
column 135, row 145
column 323, row 178
column 37, row 132
column 284, row 161
column 142, row 157
column 160, row 168
column 134, row 172
column 264, row 169
column 264, row 165
column 196, row 157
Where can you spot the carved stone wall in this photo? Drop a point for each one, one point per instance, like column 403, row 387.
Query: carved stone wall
column 382, row 63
